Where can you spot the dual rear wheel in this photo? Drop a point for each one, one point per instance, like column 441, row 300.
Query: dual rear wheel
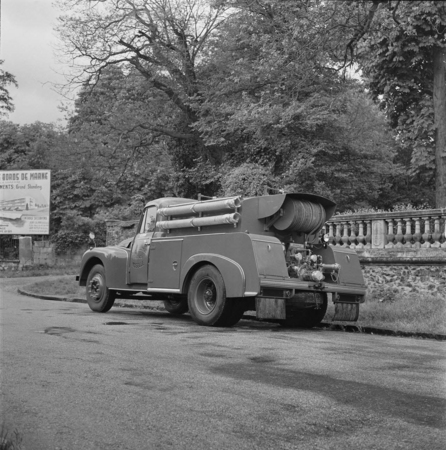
column 208, row 304
column 298, row 316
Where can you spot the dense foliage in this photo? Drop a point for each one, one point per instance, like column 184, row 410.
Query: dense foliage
column 222, row 97
column 399, row 58
column 6, row 80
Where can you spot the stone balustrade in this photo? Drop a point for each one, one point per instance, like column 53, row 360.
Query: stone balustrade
column 392, row 231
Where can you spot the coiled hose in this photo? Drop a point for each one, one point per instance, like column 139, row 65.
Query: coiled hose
column 301, row 216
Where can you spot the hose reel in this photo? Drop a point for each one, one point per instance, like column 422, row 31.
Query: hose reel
column 301, row 216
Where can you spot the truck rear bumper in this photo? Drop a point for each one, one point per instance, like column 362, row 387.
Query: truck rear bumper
column 292, row 284
column 346, row 298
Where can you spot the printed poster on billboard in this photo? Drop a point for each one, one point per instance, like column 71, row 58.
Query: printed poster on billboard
column 25, row 202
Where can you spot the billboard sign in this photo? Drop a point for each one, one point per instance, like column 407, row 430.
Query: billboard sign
column 25, row 202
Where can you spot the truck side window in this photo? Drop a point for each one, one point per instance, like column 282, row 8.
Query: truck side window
column 149, row 221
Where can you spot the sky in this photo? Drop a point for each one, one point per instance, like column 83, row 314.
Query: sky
column 27, row 48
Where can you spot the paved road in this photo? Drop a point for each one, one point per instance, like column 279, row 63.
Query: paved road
column 77, row 380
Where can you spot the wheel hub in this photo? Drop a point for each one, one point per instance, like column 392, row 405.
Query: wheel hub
column 206, row 296
column 96, row 287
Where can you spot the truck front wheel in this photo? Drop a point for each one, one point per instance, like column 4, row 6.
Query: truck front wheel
column 99, row 297
column 207, row 300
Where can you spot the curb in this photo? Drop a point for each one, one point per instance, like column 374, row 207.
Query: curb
column 59, row 298
column 323, row 325
column 119, row 302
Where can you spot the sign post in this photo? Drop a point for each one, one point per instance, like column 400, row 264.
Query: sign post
column 25, row 202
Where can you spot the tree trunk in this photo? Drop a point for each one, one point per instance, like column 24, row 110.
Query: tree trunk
column 440, row 124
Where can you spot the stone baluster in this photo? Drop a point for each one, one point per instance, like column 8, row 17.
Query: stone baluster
column 379, row 233
column 399, row 234
column 331, row 239
column 368, row 236
column 360, row 237
column 344, row 238
column 436, row 235
column 408, row 233
column 390, row 235
column 352, row 234
column 417, row 235
column 427, row 233
column 443, row 244
column 338, row 236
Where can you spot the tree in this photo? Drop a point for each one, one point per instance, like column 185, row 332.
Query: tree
column 276, row 102
column 401, row 47
column 108, row 131
column 163, row 40
column 6, row 79
column 25, row 147
column 212, row 85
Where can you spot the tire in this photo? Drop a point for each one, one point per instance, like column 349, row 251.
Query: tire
column 207, row 300
column 176, row 307
column 305, row 318
column 99, row 297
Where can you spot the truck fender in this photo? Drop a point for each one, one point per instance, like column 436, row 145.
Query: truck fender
column 114, row 260
column 232, row 272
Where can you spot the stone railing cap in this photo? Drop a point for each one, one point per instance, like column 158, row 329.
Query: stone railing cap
column 412, row 214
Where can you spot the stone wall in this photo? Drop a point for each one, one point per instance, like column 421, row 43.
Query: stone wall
column 387, row 281
column 70, row 259
column 43, row 253
column 40, row 253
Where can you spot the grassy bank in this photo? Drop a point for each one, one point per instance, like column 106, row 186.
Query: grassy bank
column 40, row 271
column 407, row 313
column 65, row 285
column 411, row 313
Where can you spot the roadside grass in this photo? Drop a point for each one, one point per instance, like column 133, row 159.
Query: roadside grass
column 413, row 312
column 42, row 270
column 65, row 285
column 10, row 441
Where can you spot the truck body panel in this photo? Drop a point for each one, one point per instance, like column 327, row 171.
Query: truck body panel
column 165, row 264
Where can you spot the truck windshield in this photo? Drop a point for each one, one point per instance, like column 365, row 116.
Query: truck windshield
column 149, row 222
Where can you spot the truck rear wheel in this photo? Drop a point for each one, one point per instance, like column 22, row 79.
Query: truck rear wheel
column 207, row 300
column 305, row 318
column 99, row 297
column 176, row 307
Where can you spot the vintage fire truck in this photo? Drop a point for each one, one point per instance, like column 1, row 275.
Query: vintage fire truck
column 221, row 257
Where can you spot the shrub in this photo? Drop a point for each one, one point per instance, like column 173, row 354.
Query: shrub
column 248, row 179
column 74, row 231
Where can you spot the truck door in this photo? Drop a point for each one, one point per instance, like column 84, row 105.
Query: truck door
column 139, row 255
column 165, row 265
